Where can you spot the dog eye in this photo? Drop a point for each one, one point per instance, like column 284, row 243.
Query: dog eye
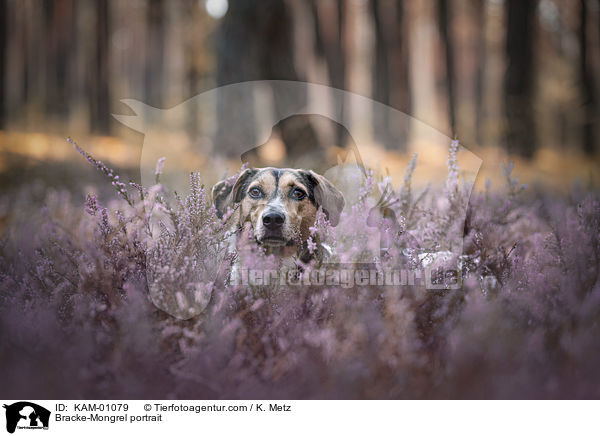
column 255, row 192
column 298, row 194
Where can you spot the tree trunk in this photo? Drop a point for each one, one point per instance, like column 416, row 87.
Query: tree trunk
column 153, row 75
column 58, row 47
column 329, row 29
column 99, row 86
column 400, row 65
column 520, row 23
column 480, row 17
column 588, row 92
column 252, row 44
column 446, row 37
column 3, row 64
column 390, row 81
column 380, row 76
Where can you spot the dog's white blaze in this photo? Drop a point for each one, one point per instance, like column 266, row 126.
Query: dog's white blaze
column 274, row 205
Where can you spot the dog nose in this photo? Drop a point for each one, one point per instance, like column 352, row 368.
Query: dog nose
column 273, row 220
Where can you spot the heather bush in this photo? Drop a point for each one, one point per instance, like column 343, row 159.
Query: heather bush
column 88, row 291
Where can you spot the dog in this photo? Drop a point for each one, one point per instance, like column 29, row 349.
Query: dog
column 280, row 205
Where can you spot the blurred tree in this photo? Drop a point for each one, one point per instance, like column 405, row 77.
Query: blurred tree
column 480, row 19
column 588, row 91
column 444, row 21
column 253, row 43
column 381, row 74
column 390, row 73
column 59, row 19
column 98, row 73
column 56, row 58
column 3, row 55
column 329, row 30
column 518, row 84
column 155, row 47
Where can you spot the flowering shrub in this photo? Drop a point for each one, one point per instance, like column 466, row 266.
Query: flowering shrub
column 78, row 320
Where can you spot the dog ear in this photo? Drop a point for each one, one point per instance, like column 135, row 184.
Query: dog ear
column 228, row 192
column 327, row 196
column 220, row 196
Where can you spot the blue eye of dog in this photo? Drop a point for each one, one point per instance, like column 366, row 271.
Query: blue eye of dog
column 298, row 194
column 255, row 192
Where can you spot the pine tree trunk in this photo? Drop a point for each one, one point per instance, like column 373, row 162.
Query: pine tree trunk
column 153, row 75
column 587, row 84
column 479, row 85
column 99, row 77
column 252, row 44
column 447, row 42
column 520, row 24
column 3, row 63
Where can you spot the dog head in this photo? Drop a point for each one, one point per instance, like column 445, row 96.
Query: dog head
column 280, row 203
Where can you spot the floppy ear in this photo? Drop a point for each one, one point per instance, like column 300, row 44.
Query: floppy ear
column 228, row 192
column 327, row 196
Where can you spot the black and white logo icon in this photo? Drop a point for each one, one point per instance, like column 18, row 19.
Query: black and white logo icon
column 26, row 415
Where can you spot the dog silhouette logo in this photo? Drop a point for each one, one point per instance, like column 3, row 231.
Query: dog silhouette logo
column 288, row 124
column 26, row 415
